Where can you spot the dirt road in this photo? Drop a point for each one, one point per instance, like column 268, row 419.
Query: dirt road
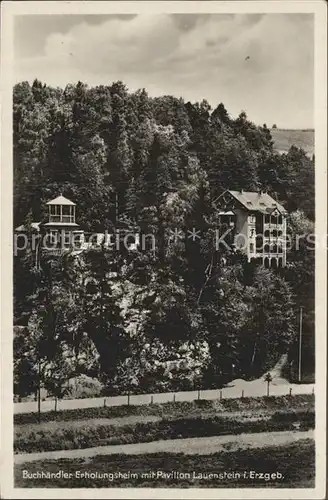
column 190, row 446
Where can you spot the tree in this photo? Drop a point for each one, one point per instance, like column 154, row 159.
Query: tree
column 25, row 372
column 300, row 273
column 272, row 328
column 102, row 320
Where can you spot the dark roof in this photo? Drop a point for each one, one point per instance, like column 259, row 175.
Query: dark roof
column 258, row 202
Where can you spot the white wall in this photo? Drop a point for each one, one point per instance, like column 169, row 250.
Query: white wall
column 241, row 238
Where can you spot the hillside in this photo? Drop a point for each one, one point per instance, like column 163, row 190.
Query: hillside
column 285, row 138
column 171, row 315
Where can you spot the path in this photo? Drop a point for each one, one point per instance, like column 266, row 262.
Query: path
column 189, row 446
column 235, row 389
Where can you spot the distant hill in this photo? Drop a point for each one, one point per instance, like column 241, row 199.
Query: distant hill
column 285, row 138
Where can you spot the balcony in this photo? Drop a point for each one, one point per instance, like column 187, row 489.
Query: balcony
column 275, row 225
column 63, row 219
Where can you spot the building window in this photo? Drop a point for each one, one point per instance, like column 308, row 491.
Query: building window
column 67, row 213
column 259, row 242
column 62, row 213
column 266, row 248
column 77, row 240
column 53, row 233
column 251, row 247
column 55, row 209
column 267, row 219
column 53, row 240
column 66, row 238
column 54, row 215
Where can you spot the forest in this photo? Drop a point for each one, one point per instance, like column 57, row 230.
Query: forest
column 179, row 316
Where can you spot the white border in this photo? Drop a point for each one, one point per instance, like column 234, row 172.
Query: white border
column 9, row 10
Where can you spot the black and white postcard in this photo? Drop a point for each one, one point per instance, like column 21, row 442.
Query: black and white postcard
column 163, row 228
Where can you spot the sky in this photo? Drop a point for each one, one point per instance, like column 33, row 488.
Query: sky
column 259, row 63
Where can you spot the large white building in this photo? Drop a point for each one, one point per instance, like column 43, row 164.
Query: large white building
column 256, row 225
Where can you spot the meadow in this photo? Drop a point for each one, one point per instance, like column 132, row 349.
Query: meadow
column 296, row 464
column 266, row 434
column 88, row 436
column 285, row 138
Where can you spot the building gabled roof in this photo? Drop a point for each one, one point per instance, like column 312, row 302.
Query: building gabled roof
column 34, row 225
column 60, row 200
column 257, row 202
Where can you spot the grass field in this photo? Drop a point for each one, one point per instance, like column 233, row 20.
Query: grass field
column 72, row 436
column 295, row 464
column 202, row 436
column 94, row 427
column 284, row 139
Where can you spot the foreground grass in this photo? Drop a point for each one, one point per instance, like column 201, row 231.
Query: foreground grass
column 180, row 408
column 295, row 463
column 70, row 436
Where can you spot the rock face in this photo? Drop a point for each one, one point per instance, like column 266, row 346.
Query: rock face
column 163, row 367
column 83, row 386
